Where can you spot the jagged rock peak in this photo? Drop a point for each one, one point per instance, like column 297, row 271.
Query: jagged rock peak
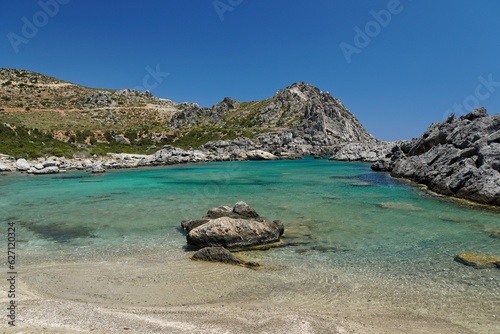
column 306, row 92
column 226, row 104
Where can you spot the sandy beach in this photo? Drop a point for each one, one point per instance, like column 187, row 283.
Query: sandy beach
column 171, row 294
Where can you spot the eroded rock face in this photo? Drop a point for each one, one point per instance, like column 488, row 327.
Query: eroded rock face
column 457, row 157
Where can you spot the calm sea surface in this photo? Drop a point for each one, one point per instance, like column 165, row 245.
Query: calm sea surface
column 339, row 217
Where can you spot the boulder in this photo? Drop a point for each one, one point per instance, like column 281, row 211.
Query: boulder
column 122, row 140
column 237, row 226
column 4, row 168
column 97, row 168
column 43, row 170
column 51, row 163
column 478, row 261
column 259, row 155
column 235, row 233
column 22, row 165
column 220, row 254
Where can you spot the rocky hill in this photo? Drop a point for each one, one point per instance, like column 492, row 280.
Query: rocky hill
column 458, row 157
column 296, row 120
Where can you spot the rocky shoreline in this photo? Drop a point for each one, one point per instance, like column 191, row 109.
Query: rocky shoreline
column 459, row 157
column 168, row 155
column 235, row 150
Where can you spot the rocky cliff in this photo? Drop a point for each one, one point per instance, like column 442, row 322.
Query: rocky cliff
column 459, row 157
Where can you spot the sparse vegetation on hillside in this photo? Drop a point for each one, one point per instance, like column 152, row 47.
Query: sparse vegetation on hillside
column 77, row 118
column 20, row 142
column 31, row 143
column 35, row 100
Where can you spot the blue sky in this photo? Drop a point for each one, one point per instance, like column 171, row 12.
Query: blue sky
column 397, row 65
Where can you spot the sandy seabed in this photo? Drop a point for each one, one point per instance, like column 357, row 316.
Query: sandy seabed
column 165, row 293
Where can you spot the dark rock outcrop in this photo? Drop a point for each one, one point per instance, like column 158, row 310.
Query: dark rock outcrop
column 458, row 157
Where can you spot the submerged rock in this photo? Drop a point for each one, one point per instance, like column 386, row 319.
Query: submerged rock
column 478, row 261
column 220, row 254
column 398, row 205
column 495, row 234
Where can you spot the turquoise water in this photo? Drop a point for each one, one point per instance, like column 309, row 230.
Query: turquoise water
column 337, row 216
column 332, row 206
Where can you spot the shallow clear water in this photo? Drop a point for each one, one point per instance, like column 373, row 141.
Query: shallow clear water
column 337, row 215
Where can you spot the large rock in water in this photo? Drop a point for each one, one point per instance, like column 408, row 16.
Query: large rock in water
column 235, row 233
column 457, row 157
column 232, row 227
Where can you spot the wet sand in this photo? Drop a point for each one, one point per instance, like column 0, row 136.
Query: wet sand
column 165, row 293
